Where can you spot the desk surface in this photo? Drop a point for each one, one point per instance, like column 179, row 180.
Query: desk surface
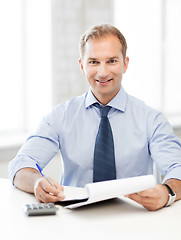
column 113, row 219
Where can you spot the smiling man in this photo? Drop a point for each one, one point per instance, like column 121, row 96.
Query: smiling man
column 103, row 64
column 104, row 134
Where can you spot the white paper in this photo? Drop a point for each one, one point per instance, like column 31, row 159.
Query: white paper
column 100, row 191
column 75, row 193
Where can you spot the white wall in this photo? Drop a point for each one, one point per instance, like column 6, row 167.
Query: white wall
column 69, row 21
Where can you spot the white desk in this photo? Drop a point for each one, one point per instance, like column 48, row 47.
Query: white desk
column 114, row 219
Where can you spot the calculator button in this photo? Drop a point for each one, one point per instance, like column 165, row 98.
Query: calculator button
column 28, row 206
column 40, row 207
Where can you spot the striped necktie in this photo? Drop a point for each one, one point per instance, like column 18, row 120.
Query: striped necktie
column 104, row 158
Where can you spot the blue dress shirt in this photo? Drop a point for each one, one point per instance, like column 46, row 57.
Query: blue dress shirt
column 141, row 135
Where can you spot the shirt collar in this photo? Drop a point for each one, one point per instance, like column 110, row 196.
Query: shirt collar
column 118, row 102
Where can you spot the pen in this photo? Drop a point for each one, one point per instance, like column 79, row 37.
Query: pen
column 40, row 170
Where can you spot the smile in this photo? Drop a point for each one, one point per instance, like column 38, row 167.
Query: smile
column 99, row 81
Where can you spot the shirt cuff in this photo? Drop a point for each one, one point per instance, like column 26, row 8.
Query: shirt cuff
column 175, row 173
column 18, row 163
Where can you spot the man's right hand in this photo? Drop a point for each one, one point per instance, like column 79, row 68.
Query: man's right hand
column 30, row 180
column 44, row 192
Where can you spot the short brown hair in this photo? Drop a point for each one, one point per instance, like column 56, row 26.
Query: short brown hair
column 102, row 31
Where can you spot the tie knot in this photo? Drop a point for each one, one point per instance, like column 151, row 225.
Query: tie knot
column 103, row 110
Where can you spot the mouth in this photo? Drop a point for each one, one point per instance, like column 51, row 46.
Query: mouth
column 105, row 82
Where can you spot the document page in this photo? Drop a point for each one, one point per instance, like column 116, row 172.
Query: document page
column 99, row 191
column 75, row 193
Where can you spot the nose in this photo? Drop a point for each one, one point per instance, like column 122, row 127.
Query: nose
column 103, row 71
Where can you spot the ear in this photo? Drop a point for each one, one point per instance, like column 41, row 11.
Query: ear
column 126, row 62
column 81, row 65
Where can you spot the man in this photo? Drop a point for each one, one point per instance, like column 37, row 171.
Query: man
column 141, row 134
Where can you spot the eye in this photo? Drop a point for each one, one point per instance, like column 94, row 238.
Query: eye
column 112, row 61
column 93, row 62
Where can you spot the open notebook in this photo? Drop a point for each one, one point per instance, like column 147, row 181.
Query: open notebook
column 99, row 191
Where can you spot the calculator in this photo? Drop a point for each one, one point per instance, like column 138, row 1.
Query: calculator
column 39, row 209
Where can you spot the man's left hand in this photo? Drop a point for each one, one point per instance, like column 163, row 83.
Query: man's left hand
column 152, row 198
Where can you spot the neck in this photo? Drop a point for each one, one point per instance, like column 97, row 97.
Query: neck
column 104, row 99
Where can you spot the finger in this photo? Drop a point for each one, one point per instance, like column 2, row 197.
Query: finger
column 144, row 201
column 148, row 193
column 44, row 192
column 47, row 198
column 48, row 188
column 135, row 197
column 37, row 189
column 43, row 196
column 58, row 186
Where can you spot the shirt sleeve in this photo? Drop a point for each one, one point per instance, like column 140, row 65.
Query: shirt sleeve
column 40, row 147
column 165, row 148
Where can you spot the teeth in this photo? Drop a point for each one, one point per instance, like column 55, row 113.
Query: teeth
column 104, row 81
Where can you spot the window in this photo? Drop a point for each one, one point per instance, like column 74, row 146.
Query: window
column 25, row 59
column 153, row 32
column 11, row 84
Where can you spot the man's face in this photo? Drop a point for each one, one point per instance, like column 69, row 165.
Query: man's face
column 103, row 66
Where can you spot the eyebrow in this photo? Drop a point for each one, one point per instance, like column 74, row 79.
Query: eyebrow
column 115, row 57
column 91, row 58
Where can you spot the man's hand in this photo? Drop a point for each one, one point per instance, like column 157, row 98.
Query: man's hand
column 44, row 192
column 152, row 198
column 30, row 180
